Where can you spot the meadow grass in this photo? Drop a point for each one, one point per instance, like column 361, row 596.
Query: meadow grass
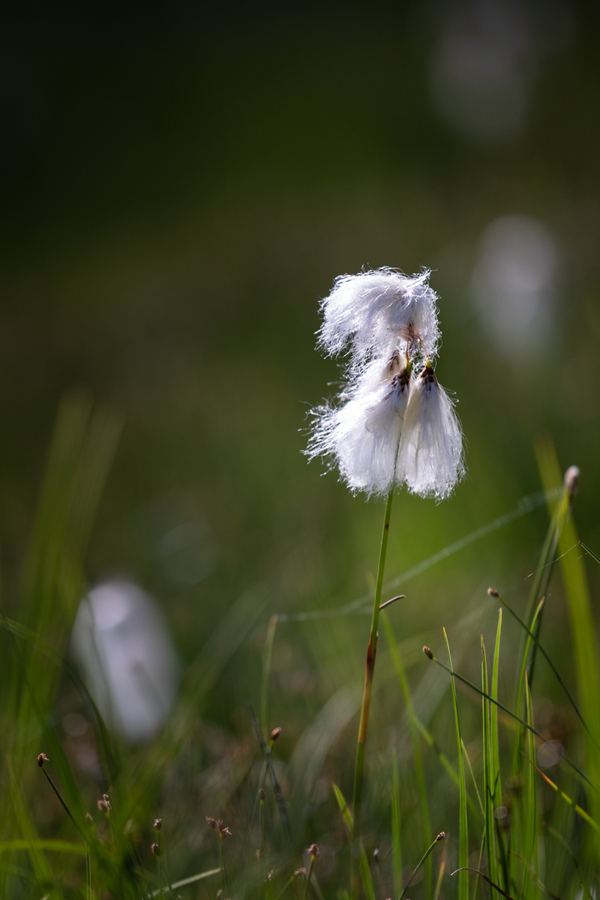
column 466, row 790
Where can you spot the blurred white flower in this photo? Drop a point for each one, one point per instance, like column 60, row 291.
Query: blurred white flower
column 515, row 284
column 122, row 643
column 372, row 311
column 379, row 434
column 431, row 446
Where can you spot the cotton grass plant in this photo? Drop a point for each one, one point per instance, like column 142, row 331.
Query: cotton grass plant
column 392, row 425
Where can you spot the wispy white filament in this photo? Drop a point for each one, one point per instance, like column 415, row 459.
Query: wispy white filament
column 393, row 424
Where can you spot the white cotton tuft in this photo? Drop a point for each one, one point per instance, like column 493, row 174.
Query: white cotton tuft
column 373, row 311
column 363, row 434
column 431, row 447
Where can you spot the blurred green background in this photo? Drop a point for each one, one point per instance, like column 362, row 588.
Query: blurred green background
column 181, row 185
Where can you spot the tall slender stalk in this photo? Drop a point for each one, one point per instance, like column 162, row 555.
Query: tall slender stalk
column 366, row 701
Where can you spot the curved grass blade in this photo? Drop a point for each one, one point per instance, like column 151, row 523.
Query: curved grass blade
column 485, row 878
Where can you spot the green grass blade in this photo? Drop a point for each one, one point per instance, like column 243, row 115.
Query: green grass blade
column 463, row 826
column 365, row 874
column 494, row 739
column 396, row 838
column 474, row 780
column 489, row 786
column 529, row 801
column 485, row 878
column 583, row 628
column 530, row 632
column 575, row 806
column 341, row 802
column 432, row 743
column 365, row 871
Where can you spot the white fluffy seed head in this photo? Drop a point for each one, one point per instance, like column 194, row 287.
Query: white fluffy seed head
column 374, row 311
column 431, row 447
column 363, row 434
column 392, row 424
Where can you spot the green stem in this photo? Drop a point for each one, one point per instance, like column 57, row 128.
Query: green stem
column 221, row 865
column 366, row 701
column 309, row 876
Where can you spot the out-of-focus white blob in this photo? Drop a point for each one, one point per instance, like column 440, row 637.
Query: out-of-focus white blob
column 550, row 754
column 122, row 643
column 484, row 66
column 515, row 282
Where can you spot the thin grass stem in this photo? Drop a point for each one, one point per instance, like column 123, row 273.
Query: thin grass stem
column 463, row 826
column 366, row 701
column 436, row 840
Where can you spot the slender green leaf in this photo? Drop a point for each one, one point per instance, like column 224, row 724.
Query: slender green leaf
column 396, row 838
column 463, row 827
column 346, row 814
column 489, row 787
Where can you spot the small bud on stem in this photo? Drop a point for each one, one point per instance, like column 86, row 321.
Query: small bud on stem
column 42, row 758
column 428, row 652
column 493, row 592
